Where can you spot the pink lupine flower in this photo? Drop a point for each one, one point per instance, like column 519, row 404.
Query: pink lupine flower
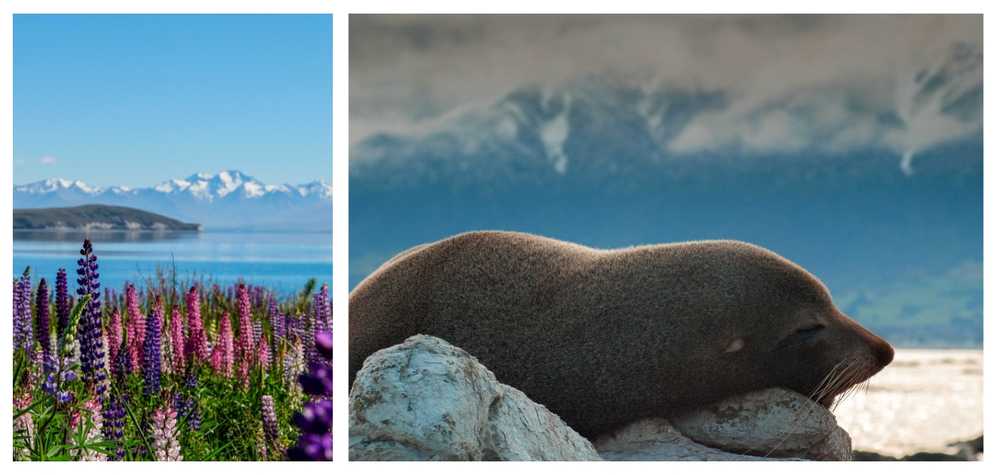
column 177, row 339
column 114, row 335
column 223, row 363
column 165, row 444
column 24, row 424
column 247, row 355
column 197, row 343
column 136, row 328
column 92, row 411
column 263, row 354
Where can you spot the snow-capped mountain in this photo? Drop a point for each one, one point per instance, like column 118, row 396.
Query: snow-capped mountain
column 225, row 200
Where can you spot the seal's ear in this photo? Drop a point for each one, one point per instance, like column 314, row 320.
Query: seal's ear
column 735, row 345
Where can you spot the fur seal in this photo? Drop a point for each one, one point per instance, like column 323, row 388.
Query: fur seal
column 606, row 337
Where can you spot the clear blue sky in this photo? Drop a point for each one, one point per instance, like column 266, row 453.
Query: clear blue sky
column 138, row 99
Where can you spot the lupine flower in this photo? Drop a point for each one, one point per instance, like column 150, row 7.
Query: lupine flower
column 321, row 307
column 177, row 338
column 92, row 410
column 316, row 419
column 263, row 355
column 222, row 353
column 62, row 303
column 136, row 327
column 114, row 426
column 165, row 442
column 197, row 343
column 24, row 423
column 269, row 419
column 246, row 351
column 22, row 316
column 114, row 335
column 151, row 353
column 277, row 321
column 42, row 310
column 91, row 344
column 123, row 363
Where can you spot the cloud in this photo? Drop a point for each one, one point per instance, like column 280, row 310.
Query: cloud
column 47, row 160
column 830, row 83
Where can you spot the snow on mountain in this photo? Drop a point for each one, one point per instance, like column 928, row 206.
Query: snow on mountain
column 229, row 199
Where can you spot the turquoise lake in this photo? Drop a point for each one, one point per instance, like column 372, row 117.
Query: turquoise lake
column 280, row 261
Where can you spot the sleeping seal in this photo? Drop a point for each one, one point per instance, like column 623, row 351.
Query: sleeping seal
column 606, row 337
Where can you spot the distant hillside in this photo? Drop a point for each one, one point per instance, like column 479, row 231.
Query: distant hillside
column 227, row 200
column 97, row 217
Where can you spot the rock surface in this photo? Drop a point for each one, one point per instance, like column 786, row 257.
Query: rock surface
column 425, row 399
column 773, row 422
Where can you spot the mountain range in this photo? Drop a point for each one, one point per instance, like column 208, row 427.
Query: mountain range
column 595, row 162
column 229, row 199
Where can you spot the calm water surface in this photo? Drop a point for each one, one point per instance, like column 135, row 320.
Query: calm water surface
column 281, row 261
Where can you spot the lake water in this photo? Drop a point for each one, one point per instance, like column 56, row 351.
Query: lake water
column 280, row 261
column 924, row 400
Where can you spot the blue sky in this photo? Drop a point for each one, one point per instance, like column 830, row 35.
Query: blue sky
column 138, row 99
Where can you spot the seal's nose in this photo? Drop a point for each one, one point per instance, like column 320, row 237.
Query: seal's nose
column 884, row 352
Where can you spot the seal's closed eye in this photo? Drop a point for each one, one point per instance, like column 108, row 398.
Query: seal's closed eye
column 802, row 335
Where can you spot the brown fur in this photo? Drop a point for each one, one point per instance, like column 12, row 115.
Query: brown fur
column 603, row 338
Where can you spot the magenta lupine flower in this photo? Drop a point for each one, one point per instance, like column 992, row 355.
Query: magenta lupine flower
column 247, row 355
column 114, row 335
column 136, row 327
column 223, row 363
column 197, row 343
column 89, row 330
column 263, row 354
column 42, row 311
column 165, row 442
column 62, row 303
column 177, row 339
column 151, row 353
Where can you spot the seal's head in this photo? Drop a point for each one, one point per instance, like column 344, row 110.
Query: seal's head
column 791, row 331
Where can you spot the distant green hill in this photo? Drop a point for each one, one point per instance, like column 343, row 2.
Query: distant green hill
column 97, row 218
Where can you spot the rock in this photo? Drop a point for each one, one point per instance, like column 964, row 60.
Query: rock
column 427, row 400
column 773, row 422
column 657, row 439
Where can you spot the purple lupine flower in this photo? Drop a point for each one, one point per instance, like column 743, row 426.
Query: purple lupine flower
column 42, row 311
column 22, row 316
column 151, row 353
column 123, row 363
column 316, row 419
column 269, row 419
column 89, row 331
column 165, row 442
column 321, row 306
column 62, row 303
column 197, row 343
column 277, row 321
column 114, row 426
